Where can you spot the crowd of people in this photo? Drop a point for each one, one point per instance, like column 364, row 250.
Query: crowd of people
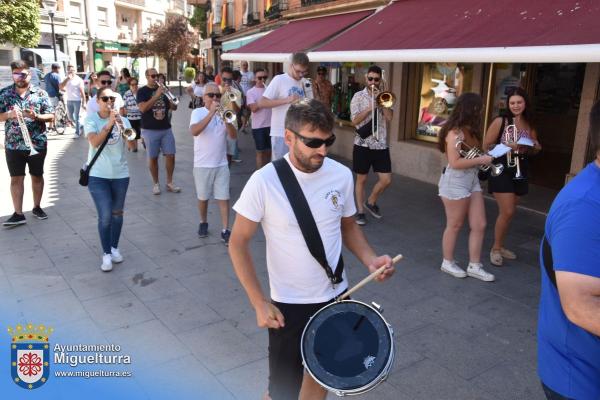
column 292, row 125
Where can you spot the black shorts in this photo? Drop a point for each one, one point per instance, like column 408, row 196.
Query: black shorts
column 17, row 159
column 136, row 125
column 285, row 359
column 363, row 158
column 505, row 182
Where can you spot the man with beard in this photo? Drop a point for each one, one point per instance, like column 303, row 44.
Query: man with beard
column 299, row 284
column 36, row 110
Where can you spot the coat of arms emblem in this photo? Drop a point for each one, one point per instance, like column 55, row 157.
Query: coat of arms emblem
column 30, row 355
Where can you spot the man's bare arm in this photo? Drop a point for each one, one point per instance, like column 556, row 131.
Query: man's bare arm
column 580, row 299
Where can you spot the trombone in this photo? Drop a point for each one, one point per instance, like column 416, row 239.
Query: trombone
column 381, row 99
column 511, row 137
column 168, row 93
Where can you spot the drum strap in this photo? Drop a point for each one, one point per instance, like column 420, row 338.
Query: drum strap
column 547, row 259
column 305, row 219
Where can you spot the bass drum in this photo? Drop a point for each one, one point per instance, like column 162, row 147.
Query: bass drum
column 348, row 347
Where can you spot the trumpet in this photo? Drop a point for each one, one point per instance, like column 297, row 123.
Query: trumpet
column 511, row 136
column 24, row 130
column 168, row 93
column 127, row 133
column 469, row 153
column 227, row 115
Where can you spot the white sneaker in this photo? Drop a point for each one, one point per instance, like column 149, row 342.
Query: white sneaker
column 451, row 268
column 115, row 255
column 475, row 270
column 106, row 263
column 156, row 189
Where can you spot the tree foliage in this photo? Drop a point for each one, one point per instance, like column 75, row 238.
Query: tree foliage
column 20, row 22
column 171, row 40
column 198, row 20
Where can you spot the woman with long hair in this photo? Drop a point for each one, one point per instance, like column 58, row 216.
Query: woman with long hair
column 459, row 186
column 123, row 82
column 109, row 175
column 93, row 85
column 507, row 188
column 196, row 90
column 133, row 113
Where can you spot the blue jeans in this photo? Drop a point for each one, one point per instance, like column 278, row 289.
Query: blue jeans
column 109, row 198
column 73, row 107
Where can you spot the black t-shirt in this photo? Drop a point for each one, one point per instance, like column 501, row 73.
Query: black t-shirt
column 156, row 118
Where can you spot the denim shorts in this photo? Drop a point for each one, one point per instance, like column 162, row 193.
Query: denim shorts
column 456, row 184
column 159, row 140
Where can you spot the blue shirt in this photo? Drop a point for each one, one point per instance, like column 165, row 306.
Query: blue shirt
column 112, row 162
column 569, row 356
column 52, row 84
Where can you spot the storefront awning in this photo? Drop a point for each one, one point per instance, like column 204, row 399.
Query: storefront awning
column 472, row 31
column 47, row 55
column 239, row 42
column 296, row 36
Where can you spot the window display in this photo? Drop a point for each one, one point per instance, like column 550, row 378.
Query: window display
column 506, row 77
column 441, row 84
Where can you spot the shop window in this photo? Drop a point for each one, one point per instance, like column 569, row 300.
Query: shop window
column 347, row 79
column 441, row 84
column 506, row 77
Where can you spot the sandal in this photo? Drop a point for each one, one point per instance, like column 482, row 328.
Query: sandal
column 172, row 188
column 509, row 255
column 496, row 257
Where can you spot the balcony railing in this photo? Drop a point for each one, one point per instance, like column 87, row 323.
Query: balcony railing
column 253, row 18
column 276, row 9
column 59, row 17
column 140, row 3
column 311, row 2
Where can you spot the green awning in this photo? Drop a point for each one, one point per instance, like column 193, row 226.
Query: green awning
column 237, row 43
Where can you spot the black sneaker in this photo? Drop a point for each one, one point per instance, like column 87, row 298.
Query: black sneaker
column 16, row 219
column 225, row 236
column 373, row 209
column 39, row 213
column 203, row 229
column 361, row 219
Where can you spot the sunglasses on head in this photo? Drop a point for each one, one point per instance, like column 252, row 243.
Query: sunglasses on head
column 262, row 78
column 314, row 143
column 20, row 75
column 109, row 82
column 373, row 78
column 213, row 95
column 107, row 98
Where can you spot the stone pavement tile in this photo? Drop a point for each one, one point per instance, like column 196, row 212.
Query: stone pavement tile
column 82, row 260
column 54, row 308
column 6, row 289
column 134, row 262
column 527, row 294
column 19, row 245
column 383, row 391
column 239, row 312
column 154, row 284
column 155, row 245
column 395, row 292
column 149, row 343
column 261, row 338
column 214, row 286
column 507, row 310
column 60, row 245
column 190, row 262
column 117, row 310
column 220, row 347
column 52, row 227
column 405, row 356
column 26, row 261
column 426, row 380
column 182, row 312
column 249, row 381
column 463, row 293
column 465, row 357
column 83, row 331
column 185, row 378
column 401, row 320
column 95, row 284
column 518, row 344
column 509, row 381
column 40, row 282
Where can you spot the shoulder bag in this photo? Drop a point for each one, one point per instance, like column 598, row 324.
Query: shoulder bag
column 84, row 173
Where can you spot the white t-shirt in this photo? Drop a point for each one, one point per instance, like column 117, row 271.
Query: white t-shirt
column 198, row 90
column 92, row 105
column 246, row 82
column 210, row 146
column 295, row 276
column 280, row 87
column 73, row 88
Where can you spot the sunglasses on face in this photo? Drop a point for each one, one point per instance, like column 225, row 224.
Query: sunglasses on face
column 373, row 78
column 153, row 76
column 314, row 143
column 228, row 80
column 262, row 78
column 213, row 95
column 107, row 98
column 106, row 82
column 20, row 75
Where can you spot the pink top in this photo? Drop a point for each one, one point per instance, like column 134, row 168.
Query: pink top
column 261, row 118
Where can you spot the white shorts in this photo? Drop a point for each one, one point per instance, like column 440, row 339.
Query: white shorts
column 212, row 181
column 456, row 184
column 278, row 147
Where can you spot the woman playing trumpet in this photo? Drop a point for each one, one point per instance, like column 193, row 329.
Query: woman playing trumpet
column 508, row 187
column 459, row 186
column 109, row 176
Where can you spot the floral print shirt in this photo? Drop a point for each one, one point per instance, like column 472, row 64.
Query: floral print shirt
column 378, row 141
column 34, row 99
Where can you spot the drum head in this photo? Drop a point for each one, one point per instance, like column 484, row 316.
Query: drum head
column 347, row 345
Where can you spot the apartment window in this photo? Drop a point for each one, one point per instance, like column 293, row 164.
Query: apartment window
column 5, row 57
column 102, row 16
column 124, row 19
column 230, row 13
column 75, row 11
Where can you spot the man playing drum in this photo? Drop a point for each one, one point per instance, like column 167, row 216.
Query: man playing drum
column 299, row 286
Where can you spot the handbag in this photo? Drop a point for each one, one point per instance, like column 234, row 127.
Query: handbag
column 84, row 173
column 367, row 129
column 305, row 219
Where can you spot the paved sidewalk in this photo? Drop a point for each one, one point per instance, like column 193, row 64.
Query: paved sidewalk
column 175, row 303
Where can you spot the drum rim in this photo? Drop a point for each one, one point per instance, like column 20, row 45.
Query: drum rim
column 371, row 385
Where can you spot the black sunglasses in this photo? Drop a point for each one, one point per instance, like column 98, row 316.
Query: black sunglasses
column 106, row 82
column 153, row 76
column 107, row 98
column 212, row 95
column 20, row 75
column 262, row 78
column 314, row 143
column 227, row 79
column 373, row 78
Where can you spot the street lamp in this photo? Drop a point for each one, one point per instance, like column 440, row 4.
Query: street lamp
column 50, row 5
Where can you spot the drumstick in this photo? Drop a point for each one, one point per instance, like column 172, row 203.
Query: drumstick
column 369, row 278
